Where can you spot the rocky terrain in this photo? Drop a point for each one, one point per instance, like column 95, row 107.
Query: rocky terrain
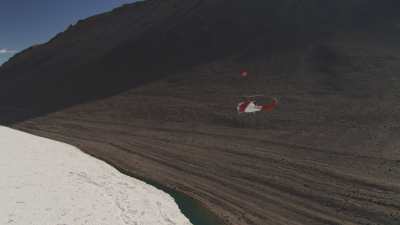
column 152, row 88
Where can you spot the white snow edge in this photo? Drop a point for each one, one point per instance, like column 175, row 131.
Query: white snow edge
column 44, row 182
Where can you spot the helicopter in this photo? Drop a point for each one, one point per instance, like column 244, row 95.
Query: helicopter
column 249, row 105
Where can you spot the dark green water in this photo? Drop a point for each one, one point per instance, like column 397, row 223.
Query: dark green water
column 191, row 208
column 194, row 211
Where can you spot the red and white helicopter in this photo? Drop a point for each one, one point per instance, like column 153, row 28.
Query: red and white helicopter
column 250, row 105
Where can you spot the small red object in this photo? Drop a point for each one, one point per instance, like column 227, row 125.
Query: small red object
column 271, row 106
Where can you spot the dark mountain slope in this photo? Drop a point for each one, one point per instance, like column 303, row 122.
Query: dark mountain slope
column 159, row 102
column 137, row 43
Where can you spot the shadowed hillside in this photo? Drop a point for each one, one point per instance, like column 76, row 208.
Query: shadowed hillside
column 152, row 88
column 115, row 51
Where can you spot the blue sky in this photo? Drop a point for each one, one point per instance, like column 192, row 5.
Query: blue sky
column 27, row 22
